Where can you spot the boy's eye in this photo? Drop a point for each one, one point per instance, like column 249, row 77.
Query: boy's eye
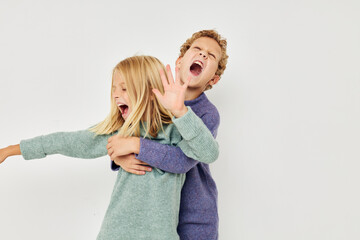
column 124, row 89
column 197, row 48
column 212, row 55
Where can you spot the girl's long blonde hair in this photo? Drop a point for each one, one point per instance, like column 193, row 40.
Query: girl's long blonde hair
column 141, row 75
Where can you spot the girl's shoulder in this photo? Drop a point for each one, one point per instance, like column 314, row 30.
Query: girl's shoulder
column 168, row 135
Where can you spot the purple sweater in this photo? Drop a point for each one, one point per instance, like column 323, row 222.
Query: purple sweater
column 198, row 218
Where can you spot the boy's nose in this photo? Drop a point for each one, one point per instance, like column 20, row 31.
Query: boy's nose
column 202, row 54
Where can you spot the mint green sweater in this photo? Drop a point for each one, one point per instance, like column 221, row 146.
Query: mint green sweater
column 141, row 206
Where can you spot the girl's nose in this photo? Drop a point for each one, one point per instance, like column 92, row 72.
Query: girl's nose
column 116, row 94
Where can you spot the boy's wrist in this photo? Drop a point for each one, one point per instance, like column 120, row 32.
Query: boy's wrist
column 135, row 145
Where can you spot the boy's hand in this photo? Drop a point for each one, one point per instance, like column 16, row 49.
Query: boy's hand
column 132, row 165
column 174, row 96
column 119, row 146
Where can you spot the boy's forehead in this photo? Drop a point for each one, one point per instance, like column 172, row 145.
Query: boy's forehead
column 208, row 42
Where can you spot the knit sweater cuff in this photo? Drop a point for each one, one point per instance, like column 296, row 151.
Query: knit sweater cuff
column 32, row 148
column 188, row 124
column 151, row 152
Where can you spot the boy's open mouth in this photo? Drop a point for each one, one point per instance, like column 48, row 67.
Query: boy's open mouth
column 196, row 68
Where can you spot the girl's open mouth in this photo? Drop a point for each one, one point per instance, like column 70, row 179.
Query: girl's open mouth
column 123, row 109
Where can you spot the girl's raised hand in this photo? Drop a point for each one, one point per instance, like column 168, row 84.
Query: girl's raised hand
column 174, row 95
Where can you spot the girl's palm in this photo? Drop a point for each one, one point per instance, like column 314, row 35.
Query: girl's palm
column 174, row 93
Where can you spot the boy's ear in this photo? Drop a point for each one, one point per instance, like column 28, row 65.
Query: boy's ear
column 214, row 80
column 178, row 62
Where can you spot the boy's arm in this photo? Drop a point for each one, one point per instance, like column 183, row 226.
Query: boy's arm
column 170, row 158
column 79, row 144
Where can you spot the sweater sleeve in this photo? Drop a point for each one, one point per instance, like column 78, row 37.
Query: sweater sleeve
column 79, row 144
column 198, row 143
column 173, row 159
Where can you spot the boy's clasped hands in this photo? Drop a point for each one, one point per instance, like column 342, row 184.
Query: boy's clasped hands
column 122, row 150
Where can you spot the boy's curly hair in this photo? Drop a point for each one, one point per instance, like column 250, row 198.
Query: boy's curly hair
column 217, row 37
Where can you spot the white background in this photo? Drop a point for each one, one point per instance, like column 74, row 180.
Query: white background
column 289, row 102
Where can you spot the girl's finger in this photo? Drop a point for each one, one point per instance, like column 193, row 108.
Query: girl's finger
column 186, row 83
column 169, row 75
column 158, row 94
column 177, row 76
column 163, row 78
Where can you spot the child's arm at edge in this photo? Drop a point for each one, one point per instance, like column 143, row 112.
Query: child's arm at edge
column 79, row 144
column 9, row 151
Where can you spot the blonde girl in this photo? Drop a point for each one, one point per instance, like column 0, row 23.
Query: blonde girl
column 141, row 206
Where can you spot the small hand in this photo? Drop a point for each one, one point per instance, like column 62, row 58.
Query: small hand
column 132, row 165
column 174, row 96
column 119, row 146
column 9, row 151
column 3, row 155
